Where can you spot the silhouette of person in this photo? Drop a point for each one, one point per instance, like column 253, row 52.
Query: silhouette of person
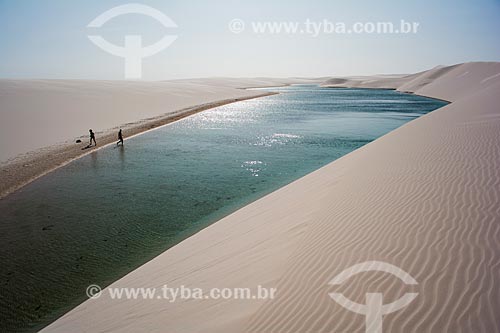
column 120, row 137
column 92, row 137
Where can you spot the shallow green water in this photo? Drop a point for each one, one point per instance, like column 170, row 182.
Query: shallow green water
column 107, row 213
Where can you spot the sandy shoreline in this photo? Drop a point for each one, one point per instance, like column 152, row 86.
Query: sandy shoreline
column 24, row 169
column 424, row 197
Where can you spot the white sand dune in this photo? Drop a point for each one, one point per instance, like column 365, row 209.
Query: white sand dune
column 425, row 197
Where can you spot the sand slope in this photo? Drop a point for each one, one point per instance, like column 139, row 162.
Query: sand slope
column 425, row 197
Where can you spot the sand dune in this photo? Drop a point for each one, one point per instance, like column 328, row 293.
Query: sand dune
column 425, row 197
column 449, row 83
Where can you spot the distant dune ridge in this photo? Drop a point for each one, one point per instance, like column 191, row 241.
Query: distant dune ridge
column 425, row 197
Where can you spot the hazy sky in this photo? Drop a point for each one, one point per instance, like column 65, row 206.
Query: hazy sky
column 48, row 38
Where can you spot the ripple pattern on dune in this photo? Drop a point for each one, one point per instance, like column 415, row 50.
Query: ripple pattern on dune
column 430, row 205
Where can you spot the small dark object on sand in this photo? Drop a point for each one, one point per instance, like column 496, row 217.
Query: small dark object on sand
column 78, row 141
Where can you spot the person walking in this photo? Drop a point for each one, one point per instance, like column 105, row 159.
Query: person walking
column 92, row 138
column 120, row 137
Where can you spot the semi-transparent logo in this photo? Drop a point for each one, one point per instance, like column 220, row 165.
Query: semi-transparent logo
column 374, row 309
column 133, row 52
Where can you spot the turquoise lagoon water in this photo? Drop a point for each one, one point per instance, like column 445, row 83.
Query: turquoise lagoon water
column 105, row 214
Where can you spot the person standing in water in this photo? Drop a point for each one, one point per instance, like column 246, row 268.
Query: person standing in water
column 92, row 137
column 120, row 137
